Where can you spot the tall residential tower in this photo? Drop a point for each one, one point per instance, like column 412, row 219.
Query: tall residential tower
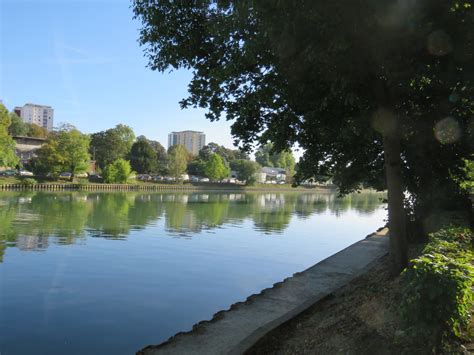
column 39, row 115
column 192, row 140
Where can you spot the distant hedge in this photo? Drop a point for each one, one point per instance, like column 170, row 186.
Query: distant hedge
column 437, row 293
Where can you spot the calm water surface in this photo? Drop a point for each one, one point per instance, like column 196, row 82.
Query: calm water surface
column 96, row 273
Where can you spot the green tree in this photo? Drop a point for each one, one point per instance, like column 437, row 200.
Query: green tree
column 196, row 167
column 143, row 157
column 67, row 150
column 161, row 154
column 361, row 86
column 215, row 168
column 112, row 144
column 177, row 160
column 118, row 172
column 246, row 169
column 36, row 131
column 8, row 157
column 229, row 155
column 263, row 155
column 17, row 126
column 286, row 161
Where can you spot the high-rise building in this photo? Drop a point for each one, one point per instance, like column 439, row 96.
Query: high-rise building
column 40, row 115
column 192, row 140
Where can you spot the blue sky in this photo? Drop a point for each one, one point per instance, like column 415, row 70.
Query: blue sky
column 82, row 58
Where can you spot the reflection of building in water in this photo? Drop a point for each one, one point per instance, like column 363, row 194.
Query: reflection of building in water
column 31, row 242
column 182, row 222
column 271, row 201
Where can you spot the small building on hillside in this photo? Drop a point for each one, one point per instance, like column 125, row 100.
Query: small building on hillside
column 27, row 146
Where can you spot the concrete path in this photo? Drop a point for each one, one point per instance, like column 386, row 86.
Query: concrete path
column 237, row 329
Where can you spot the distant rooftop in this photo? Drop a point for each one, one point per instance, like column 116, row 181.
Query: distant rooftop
column 188, row 131
column 36, row 105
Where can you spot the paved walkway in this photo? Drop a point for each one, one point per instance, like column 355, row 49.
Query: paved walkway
column 237, row 329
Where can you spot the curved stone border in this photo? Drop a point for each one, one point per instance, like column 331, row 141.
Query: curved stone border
column 234, row 331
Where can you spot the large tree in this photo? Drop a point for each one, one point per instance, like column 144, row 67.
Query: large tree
column 376, row 92
column 266, row 155
column 143, row 157
column 67, row 150
column 8, row 157
column 229, row 155
column 215, row 168
column 112, row 144
column 246, row 170
column 17, row 126
column 177, row 160
column 161, row 154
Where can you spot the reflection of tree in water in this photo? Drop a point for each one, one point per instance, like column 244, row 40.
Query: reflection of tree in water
column 28, row 219
column 110, row 212
column 8, row 211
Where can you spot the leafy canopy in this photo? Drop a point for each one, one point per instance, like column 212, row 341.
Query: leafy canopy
column 112, row 144
column 67, row 150
column 330, row 76
column 215, row 168
column 177, row 160
column 8, row 157
column 143, row 158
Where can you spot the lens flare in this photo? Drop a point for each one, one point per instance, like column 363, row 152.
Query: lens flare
column 447, row 131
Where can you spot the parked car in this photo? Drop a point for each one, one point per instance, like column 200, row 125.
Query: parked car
column 232, row 181
column 26, row 173
column 144, row 177
column 169, row 178
column 9, row 172
column 204, row 180
column 194, row 179
column 65, row 175
column 185, row 177
column 158, row 178
column 281, row 183
column 82, row 175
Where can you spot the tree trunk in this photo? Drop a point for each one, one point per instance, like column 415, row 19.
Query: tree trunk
column 396, row 212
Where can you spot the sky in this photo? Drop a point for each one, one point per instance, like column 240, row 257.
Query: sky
column 82, row 57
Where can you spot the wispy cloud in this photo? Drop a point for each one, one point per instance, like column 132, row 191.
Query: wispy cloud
column 66, row 54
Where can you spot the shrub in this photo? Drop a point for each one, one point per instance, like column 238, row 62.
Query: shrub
column 28, row 182
column 117, row 172
column 437, row 294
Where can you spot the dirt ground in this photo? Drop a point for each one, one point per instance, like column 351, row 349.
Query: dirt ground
column 360, row 318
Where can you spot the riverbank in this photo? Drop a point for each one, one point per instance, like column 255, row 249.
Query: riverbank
column 362, row 317
column 14, row 184
column 237, row 329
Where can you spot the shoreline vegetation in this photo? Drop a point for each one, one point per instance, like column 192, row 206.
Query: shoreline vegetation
column 379, row 313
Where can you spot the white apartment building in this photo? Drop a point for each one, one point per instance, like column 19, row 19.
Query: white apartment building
column 40, row 115
column 192, row 140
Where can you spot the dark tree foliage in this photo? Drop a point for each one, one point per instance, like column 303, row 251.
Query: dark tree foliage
column 143, row 157
column 376, row 92
column 227, row 154
column 161, row 154
column 112, row 144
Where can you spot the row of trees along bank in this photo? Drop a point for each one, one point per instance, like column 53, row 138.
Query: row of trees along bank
column 376, row 92
column 69, row 150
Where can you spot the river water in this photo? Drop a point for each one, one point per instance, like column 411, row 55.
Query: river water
column 97, row 273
